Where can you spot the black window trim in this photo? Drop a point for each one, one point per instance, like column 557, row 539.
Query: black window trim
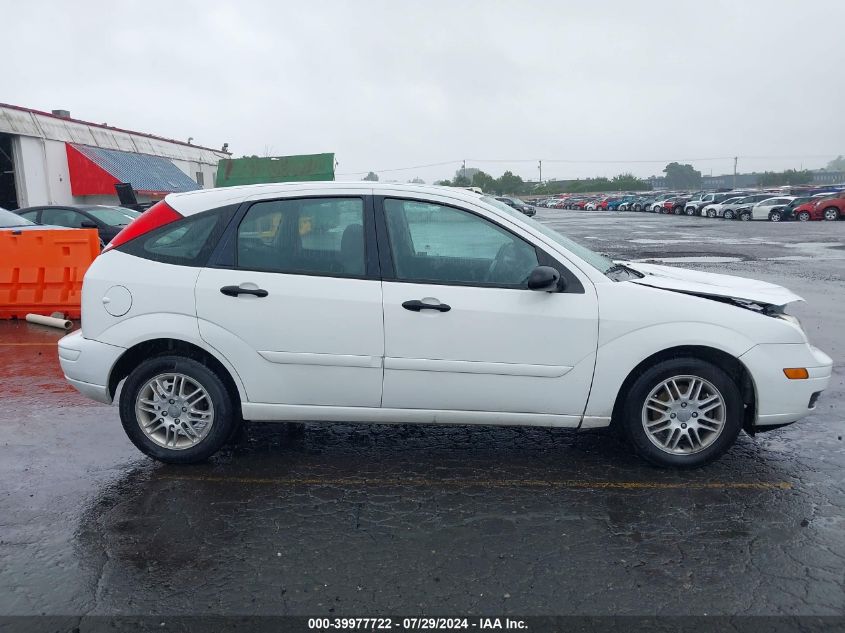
column 573, row 285
column 225, row 255
column 206, row 252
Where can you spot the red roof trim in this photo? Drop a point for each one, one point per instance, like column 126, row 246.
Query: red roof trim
column 108, row 127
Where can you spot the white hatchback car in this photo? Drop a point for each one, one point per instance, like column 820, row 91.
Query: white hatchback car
column 763, row 209
column 418, row 304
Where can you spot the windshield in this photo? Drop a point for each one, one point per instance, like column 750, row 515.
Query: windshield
column 599, row 262
column 109, row 215
column 9, row 219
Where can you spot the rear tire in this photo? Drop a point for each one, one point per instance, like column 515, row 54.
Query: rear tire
column 745, row 216
column 831, row 213
column 729, row 215
column 158, row 391
column 690, row 211
column 636, row 417
column 775, row 216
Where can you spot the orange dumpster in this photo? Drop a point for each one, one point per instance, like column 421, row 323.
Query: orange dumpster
column 41, row 270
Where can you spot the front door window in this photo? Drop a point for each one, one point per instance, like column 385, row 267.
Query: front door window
column 434, row 243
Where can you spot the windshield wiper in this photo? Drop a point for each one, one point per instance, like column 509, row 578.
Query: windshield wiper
column 622, row 267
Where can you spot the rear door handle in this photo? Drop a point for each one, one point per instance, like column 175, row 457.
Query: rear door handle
column 234, row 291
column 416, row 305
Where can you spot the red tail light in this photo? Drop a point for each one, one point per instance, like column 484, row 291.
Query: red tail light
column 157, row 215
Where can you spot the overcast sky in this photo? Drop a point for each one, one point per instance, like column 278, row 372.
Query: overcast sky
column 388, row 85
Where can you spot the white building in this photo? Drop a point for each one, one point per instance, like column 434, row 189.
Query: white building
column 50, row 158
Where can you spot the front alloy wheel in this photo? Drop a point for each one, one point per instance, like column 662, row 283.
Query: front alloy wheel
column 804, row 216
column 729, row 215
column 682, row 412
column 683, row 415
column 745, row 216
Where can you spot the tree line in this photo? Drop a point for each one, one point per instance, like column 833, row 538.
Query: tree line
column 511, row 184
column 678, row 176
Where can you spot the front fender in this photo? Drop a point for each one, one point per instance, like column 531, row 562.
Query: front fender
column 617, row 358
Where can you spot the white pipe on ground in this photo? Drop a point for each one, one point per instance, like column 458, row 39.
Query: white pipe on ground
column 62, row 324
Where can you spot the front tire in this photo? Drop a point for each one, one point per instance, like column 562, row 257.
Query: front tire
column 177, row 410
column 729, row 215
column 682, row 413
column 745, row 216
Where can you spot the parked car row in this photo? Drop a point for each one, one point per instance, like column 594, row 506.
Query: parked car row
column 765, row 206
column 108, row 220
column 730, row 205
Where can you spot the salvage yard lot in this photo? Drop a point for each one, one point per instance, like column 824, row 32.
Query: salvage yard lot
column 342, row 519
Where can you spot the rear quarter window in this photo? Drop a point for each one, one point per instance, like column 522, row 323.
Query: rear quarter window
column 186, row 242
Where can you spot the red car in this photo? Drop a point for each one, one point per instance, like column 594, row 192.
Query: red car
column 832, row 208
column 603, row 204
column 828, row 208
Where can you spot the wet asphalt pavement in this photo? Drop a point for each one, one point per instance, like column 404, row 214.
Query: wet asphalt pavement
column 340, row 519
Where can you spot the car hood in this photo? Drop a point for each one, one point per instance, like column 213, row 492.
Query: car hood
column 712, row 284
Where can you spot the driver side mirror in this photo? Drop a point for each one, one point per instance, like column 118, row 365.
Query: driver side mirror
column 545, row 279
column 88, row 224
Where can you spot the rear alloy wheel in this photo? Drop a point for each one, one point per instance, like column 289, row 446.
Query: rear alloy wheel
column 678, row 210
column 804, row 216
column 831, row 213
column 691, row 211
column 729, row 215
column 682, row 413
column 775, row 216
column 745, row 216
column 176, row 410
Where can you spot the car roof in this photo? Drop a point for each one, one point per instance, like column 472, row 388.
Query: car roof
column 195, row 201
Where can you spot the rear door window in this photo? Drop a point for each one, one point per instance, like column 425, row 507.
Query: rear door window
column 63, row 217
column 317, row 236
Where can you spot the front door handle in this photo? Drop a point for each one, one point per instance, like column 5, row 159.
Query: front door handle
column 416, row 305
column 234, row 291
